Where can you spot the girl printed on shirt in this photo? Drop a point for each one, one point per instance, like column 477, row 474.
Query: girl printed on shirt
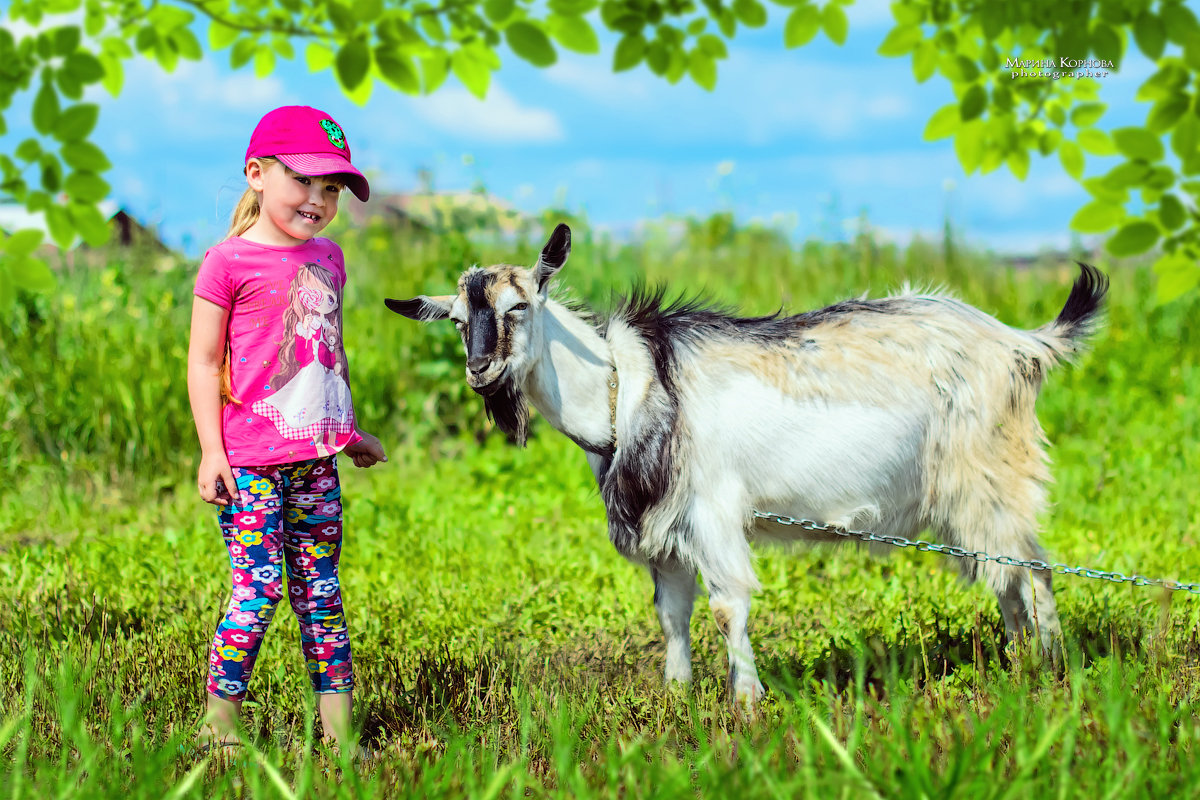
column 311, row 397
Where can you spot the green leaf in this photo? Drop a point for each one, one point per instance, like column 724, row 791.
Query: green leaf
column 1177, row 275
column 944, row 122
column 572, row 8
column 924, row 60
column 1164, row 115
column 1133, row 238
column 969, row 145
column 264, row 62
column 59, row 225
column 434, row 69
column 1085, row 115
column 31, row 274
column 801, row 26
column 86, row 187
column 907, row 13
column 114, row 74
column 367, row 10
column 530, row 43
column 1150, row 35
column 573, row 33
column 1171, row 212
column 352, row 63
column 1138, row 143
column 751, row 13
column 1098, row 143
column 1097, row 216
column 243, row 50
column 1018, row 162
column 66, row 40
column 433, row 28
column 499, row 10
column 629, row 52
column 187, row 44
column 23, row 242
column 974, row 101
column 833, row 20
column 471, row 70
column 713, row 45
column 1049, row 141
column 318, row 57
column 658, row 58
column 342, row 17
column 1185, row 139
column 703, row 69
column 697, row 26
column 45, row 109
column 29, row 150
column 1179, row 22
column 221, row 36
column 900, row 40
column 1107, row 43
column 397, row 69
column 76, row 122
column 1071, row 156
column 90, row 223
column 85, row 156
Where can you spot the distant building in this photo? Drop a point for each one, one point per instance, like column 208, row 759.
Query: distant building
column 128, row 231
column 438, row 211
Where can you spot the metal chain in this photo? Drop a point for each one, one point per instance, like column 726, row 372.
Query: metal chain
column 979, row 555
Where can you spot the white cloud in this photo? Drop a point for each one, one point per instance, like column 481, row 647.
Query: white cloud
column 594, row 78
column 498, row 118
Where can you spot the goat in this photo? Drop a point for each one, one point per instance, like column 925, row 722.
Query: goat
column 897, row 414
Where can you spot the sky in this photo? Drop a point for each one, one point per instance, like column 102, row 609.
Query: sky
column 810, row 140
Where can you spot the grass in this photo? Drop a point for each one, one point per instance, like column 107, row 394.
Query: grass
column 502, row 648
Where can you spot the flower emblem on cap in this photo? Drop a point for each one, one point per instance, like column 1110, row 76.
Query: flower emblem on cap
column 336, row 137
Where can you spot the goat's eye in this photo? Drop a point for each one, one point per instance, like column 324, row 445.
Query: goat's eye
column 519, row 307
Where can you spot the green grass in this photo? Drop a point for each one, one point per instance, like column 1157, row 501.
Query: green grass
column 502, row 647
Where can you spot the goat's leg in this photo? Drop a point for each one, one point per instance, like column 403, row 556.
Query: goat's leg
column 674, row 593
column 1026, row 597
column 731, row 610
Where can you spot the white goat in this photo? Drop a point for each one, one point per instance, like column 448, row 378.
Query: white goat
column 897, row 414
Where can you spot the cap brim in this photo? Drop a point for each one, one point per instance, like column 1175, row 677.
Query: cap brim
column 325, row 164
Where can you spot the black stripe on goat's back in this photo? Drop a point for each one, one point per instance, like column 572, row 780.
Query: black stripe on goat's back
column 662, row 323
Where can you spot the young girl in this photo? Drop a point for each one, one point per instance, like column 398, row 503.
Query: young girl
column 270, row 393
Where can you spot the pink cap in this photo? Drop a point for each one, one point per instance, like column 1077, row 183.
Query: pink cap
column 309, row 142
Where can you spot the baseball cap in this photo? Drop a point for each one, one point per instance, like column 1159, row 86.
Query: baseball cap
column 308, row 141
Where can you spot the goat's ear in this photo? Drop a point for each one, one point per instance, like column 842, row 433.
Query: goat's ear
column 554, row 255
column 423, row 308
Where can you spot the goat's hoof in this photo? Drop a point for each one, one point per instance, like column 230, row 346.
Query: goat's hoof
column 746, row 695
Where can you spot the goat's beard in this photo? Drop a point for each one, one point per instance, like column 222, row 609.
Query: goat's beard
column 510, row 410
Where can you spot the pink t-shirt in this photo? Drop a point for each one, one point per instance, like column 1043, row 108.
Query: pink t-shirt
column 287, row 366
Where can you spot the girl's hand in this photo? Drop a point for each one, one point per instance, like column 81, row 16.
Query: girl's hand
column 216, row 480
column 367, row 452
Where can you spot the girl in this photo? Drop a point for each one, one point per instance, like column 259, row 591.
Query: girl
column 270, row 393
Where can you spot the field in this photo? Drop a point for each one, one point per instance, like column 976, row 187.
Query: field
column 503, row 648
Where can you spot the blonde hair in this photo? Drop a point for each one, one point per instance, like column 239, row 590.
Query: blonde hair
column 245, row 214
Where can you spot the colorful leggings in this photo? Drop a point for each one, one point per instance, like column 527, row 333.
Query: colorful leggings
column 292, row 514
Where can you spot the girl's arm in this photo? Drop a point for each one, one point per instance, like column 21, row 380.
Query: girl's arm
column 206, row 353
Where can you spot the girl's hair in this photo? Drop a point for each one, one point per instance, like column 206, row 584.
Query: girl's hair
column 245, row 214
column 308, row 274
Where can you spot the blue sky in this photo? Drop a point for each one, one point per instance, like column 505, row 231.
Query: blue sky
column 808, row 139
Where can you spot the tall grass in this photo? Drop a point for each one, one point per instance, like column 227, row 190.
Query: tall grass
column 502, row 647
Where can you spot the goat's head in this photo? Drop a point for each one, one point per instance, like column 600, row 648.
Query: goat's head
column 497, row 313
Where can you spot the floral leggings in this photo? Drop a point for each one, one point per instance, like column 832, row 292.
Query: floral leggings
column 289, row 514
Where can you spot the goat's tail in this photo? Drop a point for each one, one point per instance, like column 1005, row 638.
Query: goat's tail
column 1079, row 318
